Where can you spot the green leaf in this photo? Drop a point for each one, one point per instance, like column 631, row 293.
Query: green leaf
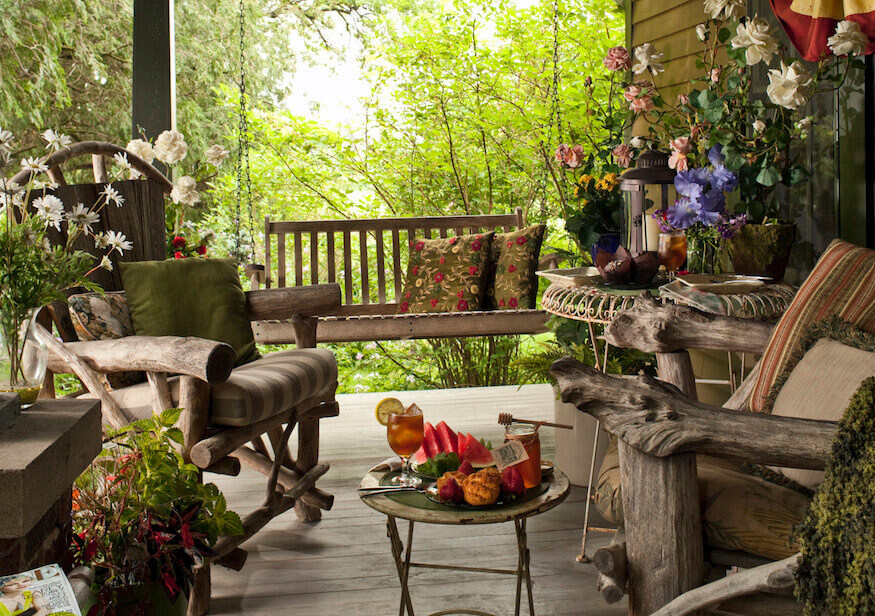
column 706, row 98
column 798, row 174
column 713, row 114
column 439, row 464
column 723, row 35
column 769, row 176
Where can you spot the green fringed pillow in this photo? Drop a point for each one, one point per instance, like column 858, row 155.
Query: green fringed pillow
column 190, row 297
column 446, row 274
column 513, row 283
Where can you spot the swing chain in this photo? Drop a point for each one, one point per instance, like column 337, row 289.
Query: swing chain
column 555, row 111
column 243, row 148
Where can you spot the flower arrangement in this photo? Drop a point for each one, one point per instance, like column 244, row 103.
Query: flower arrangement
column 141, row 516
column 756, row 133
column 184, row 239
column 38, row 260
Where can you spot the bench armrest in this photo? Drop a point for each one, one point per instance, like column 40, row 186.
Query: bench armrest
column 282, row 304
column 655, row 418
column 202, row 359
column 654, row 328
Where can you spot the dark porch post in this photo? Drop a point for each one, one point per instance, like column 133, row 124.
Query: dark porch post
column 153, row 107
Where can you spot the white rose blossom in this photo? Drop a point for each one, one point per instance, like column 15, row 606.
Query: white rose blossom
column 848, row 39
column 82, row 217
column 788, row 85
column 56, row 141
column 725, row 9
column 50, row 209
column 184, row 191
column 759, row 126
column 647, row 59
column 755, row 37
column 216, row 155
column 142, row 149
column 112, row 196
column 170, row 147
column 637, row 142
column 702, row 32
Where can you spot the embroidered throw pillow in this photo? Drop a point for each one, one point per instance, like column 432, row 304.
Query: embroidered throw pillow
column 446, row 274
column 512, row 282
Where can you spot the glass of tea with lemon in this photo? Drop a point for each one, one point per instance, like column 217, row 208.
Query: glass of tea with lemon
column 404, row 433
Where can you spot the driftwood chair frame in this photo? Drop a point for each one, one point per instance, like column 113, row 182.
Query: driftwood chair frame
column 200, row 363
column 661, row 427
column 323, row 245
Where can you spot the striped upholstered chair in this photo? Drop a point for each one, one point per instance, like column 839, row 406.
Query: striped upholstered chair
column 693, row 483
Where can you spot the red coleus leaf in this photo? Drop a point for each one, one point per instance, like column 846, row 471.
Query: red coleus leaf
column 187, row 539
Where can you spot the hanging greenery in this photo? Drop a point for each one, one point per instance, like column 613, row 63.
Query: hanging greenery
column 836, row 572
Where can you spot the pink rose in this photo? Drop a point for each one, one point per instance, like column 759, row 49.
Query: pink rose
column 715, row 74
column 683, row 99
column 678, row 161
column 561, row 153
column 617, row 59
column 473, row 269
column 623, row 155
column 575, row 157
column 438, row 277
column 404, row 307
column 681, row 145
column 631, row 92
column 462, row 305
column 642, row 105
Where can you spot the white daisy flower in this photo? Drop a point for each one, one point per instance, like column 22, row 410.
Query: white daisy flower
column 34, row 165
column 117, row 241
column 56, row 141
column 50, row 209
column 105, row 263
column 112, row 196
column 45, row 185
column 82, row 217
column 121, row 159
column 100, row 240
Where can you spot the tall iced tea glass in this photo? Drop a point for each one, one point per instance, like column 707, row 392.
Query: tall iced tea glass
column 404, row 432
column 672, row 250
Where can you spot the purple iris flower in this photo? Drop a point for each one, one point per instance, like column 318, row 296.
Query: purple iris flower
column 724, row 179
column 682, row 214
column 715, row 155
column 688, row 184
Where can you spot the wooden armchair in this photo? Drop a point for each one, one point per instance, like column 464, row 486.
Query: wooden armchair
column 661, row 427
column 197, row 374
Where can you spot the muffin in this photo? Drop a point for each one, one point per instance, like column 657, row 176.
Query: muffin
column 459, row 477
column 482, row 488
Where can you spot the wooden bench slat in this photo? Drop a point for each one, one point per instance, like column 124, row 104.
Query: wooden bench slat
column 347, row 267
column 396, row 263
column 381, row 268
column 443, row 233
column 281, row 259
column 409, row 223
column 363, row 260
column 332, row 274
column 267, row 264
column 299, row 261
column 314, row 258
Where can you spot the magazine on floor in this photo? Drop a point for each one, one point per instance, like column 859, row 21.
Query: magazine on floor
column 39, row 592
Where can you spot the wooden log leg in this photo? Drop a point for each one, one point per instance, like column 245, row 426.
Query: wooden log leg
column 305, row 331
column 199, row 598
column 663, row 527
column 308, row 457
column 677, row 368
column 194, row 399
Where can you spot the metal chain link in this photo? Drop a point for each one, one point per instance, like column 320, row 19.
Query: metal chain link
column 555, row 112
column 243, row 147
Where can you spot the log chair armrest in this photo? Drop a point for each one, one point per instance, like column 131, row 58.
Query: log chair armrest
column 283, row 303
column 655, row 418
column 654, row 328
column 202, row 359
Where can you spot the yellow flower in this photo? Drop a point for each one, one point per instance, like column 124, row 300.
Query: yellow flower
column 601, row 185
column 585, row 180
column 584, row 202
column 611, row 179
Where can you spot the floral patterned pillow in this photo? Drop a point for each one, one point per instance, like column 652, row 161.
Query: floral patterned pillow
column 447, row 274
column 512, row 283
column 99, row 316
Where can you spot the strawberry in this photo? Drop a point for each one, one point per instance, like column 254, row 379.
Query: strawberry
column 512, row 482
column 451, row 491
column 466, row 468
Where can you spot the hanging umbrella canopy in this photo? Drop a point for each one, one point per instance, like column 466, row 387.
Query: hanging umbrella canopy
column 809, row 23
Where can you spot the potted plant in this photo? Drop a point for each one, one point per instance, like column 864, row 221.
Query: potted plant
column 143, row 520
column 757, row 134
column 36, row 267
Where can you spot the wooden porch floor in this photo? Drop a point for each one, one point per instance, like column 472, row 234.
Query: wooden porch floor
column 342, row 564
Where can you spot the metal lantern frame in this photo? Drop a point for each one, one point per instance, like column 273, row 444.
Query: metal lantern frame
column 651, row 169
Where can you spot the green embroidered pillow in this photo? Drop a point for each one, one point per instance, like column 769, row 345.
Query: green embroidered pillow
column 446, row 274
column 512, row 282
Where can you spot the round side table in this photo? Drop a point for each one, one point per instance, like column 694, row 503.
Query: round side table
column 415, row 510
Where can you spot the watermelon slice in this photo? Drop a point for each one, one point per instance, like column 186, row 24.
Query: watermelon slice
column 420, row 457
column 476, row 453
column 429, row 441
column 461, row 444
column 446, row 438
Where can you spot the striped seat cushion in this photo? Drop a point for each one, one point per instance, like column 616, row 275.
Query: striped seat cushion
column 842, row 285
column 254, row 391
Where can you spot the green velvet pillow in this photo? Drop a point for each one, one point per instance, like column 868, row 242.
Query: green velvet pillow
column 190, row 297
column 512, row 282
column 447, row 274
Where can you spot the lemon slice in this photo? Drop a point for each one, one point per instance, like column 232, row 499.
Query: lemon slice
column 386, row 407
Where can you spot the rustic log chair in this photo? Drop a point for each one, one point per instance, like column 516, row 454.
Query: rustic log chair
column 661, row 427
column 363, row 317
column 198, row 366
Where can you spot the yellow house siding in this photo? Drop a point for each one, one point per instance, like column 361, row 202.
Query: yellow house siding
column 670, row 26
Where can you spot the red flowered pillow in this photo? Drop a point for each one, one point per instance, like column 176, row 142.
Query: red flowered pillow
column 512, row 282
column 446, row 274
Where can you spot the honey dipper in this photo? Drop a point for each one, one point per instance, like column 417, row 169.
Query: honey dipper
column 505, row 419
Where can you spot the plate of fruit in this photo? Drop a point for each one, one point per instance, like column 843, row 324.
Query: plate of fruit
column 444, row 450
column 468, row 488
